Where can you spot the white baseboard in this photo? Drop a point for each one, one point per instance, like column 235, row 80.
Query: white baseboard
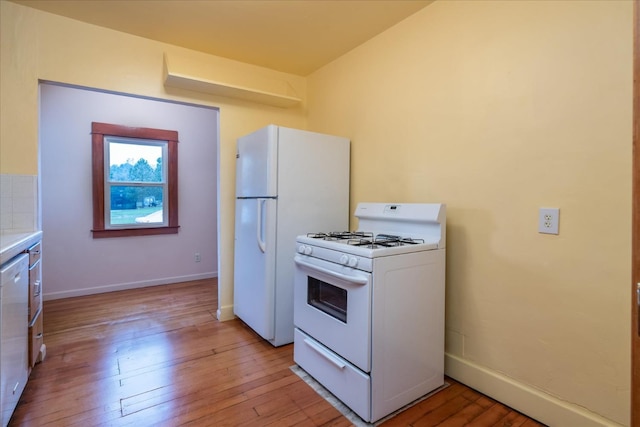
column 225, row 313
column 124, row 286
column 534, row 403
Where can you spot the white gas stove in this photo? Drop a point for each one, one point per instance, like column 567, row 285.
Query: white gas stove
column 369, row 307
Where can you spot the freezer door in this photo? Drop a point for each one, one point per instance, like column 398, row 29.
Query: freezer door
column 257, row 163
column 254, row 264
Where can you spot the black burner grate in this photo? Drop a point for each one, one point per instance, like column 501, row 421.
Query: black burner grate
column 341, row 235
column 366, row 239
column 385, row 241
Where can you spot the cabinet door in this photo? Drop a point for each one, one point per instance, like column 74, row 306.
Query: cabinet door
column 14, row 330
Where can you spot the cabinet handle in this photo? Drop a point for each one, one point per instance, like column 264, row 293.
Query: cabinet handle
column 15, row 387
column 329, row 357
column 39, row 335
column 37, row 286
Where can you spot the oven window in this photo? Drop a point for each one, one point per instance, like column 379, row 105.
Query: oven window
column 327, row 298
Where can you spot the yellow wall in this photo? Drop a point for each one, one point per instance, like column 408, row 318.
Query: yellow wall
column 38, row 45
column 498, row 108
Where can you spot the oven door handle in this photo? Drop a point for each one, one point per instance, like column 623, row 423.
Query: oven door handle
column 322, row 352
column 351, row 279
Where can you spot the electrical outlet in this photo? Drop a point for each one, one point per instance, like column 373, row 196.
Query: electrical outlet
column 549, row 220
column 196, row 257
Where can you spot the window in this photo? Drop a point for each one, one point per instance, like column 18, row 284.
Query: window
column 135, row 181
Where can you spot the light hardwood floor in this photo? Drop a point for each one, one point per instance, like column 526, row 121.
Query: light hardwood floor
column 158, row 357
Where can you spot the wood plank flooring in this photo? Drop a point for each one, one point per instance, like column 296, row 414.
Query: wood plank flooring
column 158, row 357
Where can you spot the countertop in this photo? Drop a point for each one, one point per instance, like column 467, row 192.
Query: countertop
column 14, row 242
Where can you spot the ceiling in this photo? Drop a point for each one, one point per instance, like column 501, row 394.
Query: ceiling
column 294, row 36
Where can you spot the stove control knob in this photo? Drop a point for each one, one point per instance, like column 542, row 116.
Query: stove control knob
column 353, row 261
column 308, row 250
column 301, row 249
column 344, row 259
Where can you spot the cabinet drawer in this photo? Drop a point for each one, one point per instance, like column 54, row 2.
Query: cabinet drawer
column 34, row 254
column 35, row 290
column 340, row 377
column 36, row 339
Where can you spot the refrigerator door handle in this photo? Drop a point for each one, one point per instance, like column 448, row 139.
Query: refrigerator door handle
column 260, row 226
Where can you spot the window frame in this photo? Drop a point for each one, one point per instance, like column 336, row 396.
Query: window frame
column 98, row 133
column 109, row 184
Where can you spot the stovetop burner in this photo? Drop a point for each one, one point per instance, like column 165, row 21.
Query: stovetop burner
column 341, row 235
column 366, row 239
column 385, row 241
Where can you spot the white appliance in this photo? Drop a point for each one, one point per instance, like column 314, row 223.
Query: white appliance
column 369, row 307
column 14, row 300
column 288, row 182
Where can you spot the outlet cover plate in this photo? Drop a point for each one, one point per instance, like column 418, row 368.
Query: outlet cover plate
column 549, row 220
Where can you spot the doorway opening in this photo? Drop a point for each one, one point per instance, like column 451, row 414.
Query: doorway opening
column 81, row 265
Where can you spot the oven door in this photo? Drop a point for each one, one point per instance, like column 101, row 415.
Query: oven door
column 332, row 304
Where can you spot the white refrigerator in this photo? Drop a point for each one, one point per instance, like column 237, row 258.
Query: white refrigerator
column 288, row 182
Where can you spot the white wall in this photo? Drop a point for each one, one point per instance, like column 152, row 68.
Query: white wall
column 76, row 264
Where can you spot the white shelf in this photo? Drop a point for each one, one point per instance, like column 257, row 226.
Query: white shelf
column 231, row 91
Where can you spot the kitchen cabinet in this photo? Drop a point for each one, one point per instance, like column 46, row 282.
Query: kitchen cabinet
column 13, row 333
column 36, row 345
column 20, row 314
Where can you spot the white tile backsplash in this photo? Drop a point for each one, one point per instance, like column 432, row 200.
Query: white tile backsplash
column 18, row 202
column 23, row 205
column 6, row 215
column 23, row 185
column 5, row 186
